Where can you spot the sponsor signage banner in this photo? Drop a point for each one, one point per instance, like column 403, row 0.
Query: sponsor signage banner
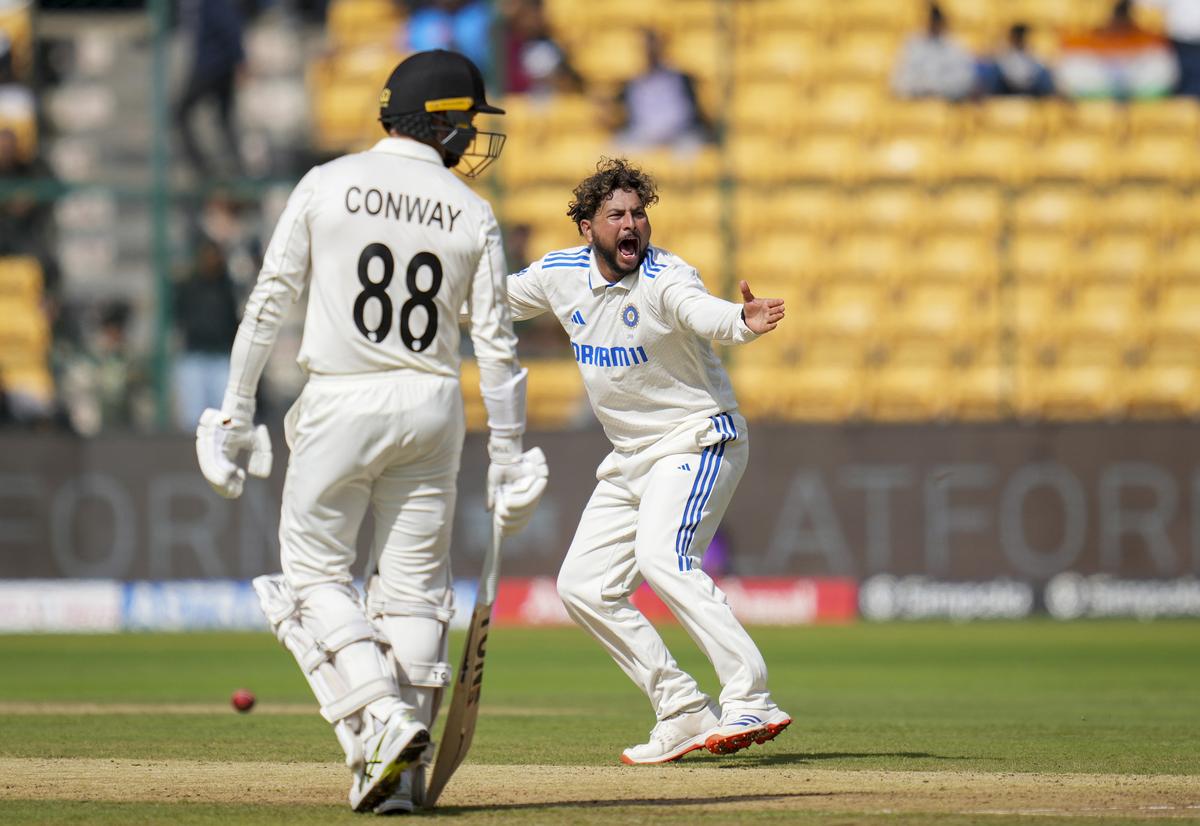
column 955, row 503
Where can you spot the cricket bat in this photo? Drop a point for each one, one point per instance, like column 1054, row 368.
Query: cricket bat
column 464, row 704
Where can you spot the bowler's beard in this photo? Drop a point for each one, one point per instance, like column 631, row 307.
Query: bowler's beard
column 609, row 256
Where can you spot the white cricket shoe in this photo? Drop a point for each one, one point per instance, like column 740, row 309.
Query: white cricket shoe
column 408, row 795
column 386, row 754
column 673, row 737
column 741, row 728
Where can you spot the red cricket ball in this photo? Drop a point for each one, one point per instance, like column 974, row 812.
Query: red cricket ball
column 242, row 700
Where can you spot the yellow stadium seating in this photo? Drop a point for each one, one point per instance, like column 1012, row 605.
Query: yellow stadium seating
column 865, row 53
column 1104, row 314
column 969, row 260
column 1076, row 157
column 1124, row 257
column 1036, row 310
column 794, row 59
column 784, row 258
column 804, row 392
column 915, row 159
column 1148, row 210
column 972, row 208
column 610, row 54
column 684, row 209
column 767, row 109
column 1167, row 158
column 981, row 387
column 761, row 211
column 871, row 256
column 920, row 118
column 759, row 159
column 1005, row 158
column 1181, row 261
column 1174, row 324
column 890, row 209
column 855, row 111
column 1019, row 117
column 20, row 279
column 909, row 393
column 1169, row 116
column 698, row 51
column 17, row 26
column 849, row 311
column 1065, row 210
column 700, row 165
column 886, row 15
column 1043, row 257
column 33, row 381
column 353, row 22
column 942, row 315
column 752, row 20
column 1106, row 119
column 1164, row 391
column 836, row 159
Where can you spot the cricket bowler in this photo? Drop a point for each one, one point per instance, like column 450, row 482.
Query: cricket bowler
column 641, row 326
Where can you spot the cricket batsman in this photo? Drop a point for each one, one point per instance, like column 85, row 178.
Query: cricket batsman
column 641, row 326
column 390, row 244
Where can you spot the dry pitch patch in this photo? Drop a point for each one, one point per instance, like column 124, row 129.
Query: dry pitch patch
column 728, row 788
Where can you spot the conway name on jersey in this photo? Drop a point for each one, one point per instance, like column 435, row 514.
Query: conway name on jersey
column 645, row 381
column 396, row 249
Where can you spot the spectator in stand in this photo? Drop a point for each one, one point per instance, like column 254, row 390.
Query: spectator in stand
column 932, row 64
column 17, row 102
column 463, row 26
column 534, row 63
column 660, row 106
column 206, row 313
column 103, row 386
column 1015, row 70
column 214, row 28
column 1182, row 22
column 1118, row 60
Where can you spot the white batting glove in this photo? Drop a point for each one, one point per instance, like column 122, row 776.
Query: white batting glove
column 516, row 482
column 222, row 436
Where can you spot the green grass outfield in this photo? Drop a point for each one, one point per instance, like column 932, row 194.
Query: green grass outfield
column 895, row 702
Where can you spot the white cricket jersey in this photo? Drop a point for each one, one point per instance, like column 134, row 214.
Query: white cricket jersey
column 391, row 244
column 643, row 345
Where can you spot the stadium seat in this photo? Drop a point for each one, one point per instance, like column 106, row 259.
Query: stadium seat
column 803, row 209
column 908, row 393
column 20, row 279
column 1054, row 209
column 610, row 54
column 885, row 15
column 830, row 158
column 1165, row 391
column 764, row 109
column 1169, row 116
column 1181, row 261
column 753, row 20
column 1014, row 116
column 943, row 315
column 855, row 112
column 1076, row 393
column 915, row 159
column 793, row 58
column 1002, row 158
column 760, row 159
column 958, row 258
column 920, row 118
column 353, row 22
column 981, row 387
column 783, row 259
column 699, row 51
column 1036, row 313
column 970, row 208
column 846, row 311
column 1174, row 324
column 863, row 53
column 1166, row 158
column 1103, row 314
column 871, row 255
column 1073, row 157
column 1043, row 257
column 890, row 209
column 805, row 392
column 1124, row 257
column 1148, row 210
column 1107, row 119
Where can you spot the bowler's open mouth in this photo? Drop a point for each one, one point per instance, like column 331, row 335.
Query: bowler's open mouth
column 628, row 249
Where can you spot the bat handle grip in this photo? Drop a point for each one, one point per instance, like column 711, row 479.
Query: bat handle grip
column 489, row 577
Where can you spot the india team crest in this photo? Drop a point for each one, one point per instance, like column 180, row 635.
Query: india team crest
column 630, row 316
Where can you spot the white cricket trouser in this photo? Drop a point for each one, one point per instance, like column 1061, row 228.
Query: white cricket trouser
column 391, row 441
column 651, row 517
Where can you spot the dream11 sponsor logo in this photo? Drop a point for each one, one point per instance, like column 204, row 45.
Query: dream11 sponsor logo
column 886, row 597
column 1073, row 596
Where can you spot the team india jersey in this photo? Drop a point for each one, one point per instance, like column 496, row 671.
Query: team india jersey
column 391, row 245
column 643, row 344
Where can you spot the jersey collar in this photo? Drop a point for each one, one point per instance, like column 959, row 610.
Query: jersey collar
column 598, row 283
column 409, row 149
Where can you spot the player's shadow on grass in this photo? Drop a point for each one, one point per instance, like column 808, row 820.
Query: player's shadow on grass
column 793, row 758
column 639, row 801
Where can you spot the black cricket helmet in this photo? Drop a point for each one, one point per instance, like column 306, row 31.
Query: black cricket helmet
column 432, row 96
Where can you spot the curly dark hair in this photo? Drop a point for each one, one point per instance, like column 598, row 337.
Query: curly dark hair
column 611, row 174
